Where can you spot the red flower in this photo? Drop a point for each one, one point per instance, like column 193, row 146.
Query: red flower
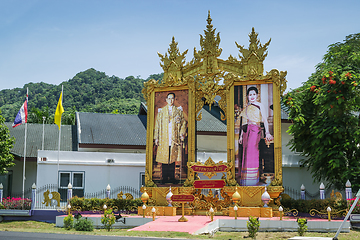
column 332, row 82
column 331, row 106
column 342, row 82
column 323, row 80
column 331, row 72
column 328, row 91
column 343, row 97
column 348, row 75
column 312, row 88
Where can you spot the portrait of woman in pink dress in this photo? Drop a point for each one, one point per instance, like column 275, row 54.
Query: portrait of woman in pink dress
column 252, row 120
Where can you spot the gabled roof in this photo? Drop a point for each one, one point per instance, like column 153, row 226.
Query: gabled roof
column 34, row 138
column 210, row 123
column 111, row 129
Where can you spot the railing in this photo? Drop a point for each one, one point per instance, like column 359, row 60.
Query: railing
column 50, row 195
column 125, row 189
column 296, row 194
column 27, row 194
column 114, row 192
column 46, row 197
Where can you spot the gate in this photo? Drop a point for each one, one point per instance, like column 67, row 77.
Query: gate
column 48, row 197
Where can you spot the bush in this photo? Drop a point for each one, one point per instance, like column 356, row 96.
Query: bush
column 2, row 206
column 253, row 226
column 356, row 210
column 17, row 203
column 93, row 204
column 302, row 228
column 304, row 206
column 68, row 221
column 84, row 224
column 108, row 219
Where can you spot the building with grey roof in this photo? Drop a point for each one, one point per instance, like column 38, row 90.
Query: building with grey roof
column 104, row 149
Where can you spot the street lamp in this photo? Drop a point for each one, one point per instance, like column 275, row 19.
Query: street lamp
column 329, row 213
column 235, row 210
column 281, row 212
column 211, row 213
column 69, row 208
column 144, row 207
column 153, row 213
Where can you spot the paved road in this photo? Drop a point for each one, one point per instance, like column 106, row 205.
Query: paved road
column 53, row 236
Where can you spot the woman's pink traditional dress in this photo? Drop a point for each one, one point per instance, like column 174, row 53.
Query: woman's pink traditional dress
column 251, row 116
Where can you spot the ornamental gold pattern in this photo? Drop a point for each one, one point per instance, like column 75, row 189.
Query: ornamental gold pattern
column 211, row 80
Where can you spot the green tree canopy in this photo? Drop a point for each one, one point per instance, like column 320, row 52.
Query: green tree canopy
column 6, row 144
column 325, row 115
column 87, row 91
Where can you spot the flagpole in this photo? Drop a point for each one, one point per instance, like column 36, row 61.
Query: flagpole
column 62, row 89
column 23, row 187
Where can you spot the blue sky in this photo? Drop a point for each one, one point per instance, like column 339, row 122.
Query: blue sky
column 51, row 41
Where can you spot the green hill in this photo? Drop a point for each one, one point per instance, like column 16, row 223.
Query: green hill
column 88, row 91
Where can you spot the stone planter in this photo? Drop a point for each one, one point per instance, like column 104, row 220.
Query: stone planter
column 355, row 220
column 14, row 213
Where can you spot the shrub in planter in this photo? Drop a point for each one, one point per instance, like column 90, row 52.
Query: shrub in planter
column 93, row 204
column 356, row 209
column 304, row 206
column 17, row 203
column 84, row 224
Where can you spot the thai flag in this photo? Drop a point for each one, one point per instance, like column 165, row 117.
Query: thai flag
column 22, row 115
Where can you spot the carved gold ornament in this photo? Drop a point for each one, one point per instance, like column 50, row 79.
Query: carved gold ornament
column 211, row 81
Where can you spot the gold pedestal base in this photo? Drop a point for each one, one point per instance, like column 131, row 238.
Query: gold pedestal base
column 160, row 211
column 183, row 219
column 251, row 211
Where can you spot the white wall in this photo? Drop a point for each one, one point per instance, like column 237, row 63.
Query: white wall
column 127, row 167
column 125, row 171
column 113, row 150
column 211, row 143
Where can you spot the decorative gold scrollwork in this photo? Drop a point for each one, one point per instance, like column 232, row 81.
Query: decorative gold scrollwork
column 48, row 201
column 210, row 80
column 291, row 212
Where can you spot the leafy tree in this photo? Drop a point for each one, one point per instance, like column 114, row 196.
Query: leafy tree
column 158, row 76
column 87, row 91
column 68, row 117
column 36, row 115
column 325, row 115
column 6, row 144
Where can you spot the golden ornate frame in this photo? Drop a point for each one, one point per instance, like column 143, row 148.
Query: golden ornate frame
column 207, row 76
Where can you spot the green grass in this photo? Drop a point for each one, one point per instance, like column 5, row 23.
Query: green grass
column 33, row 226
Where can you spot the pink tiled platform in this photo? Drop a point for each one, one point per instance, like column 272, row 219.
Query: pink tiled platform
column 202, row 224
column 171, row 223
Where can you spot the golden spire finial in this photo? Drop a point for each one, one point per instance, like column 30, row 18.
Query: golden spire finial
column 209, row 20
column 210, row 50
column 173, row 61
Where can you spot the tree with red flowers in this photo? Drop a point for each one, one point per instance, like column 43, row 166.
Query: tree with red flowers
column 325, row 112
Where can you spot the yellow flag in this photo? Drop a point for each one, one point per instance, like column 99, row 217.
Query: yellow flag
column 59, row 111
